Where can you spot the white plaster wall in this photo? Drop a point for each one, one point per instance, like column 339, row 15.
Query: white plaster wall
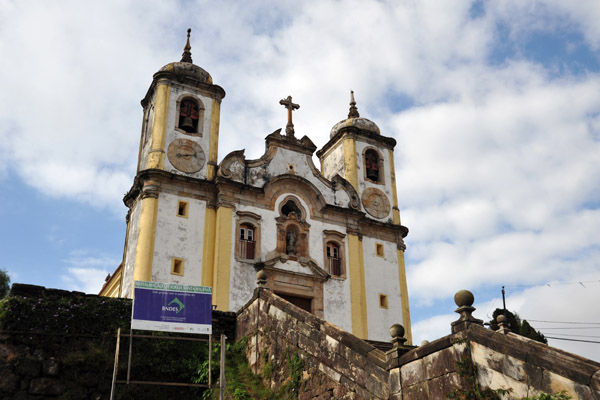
column 176, row 92
column 242, row 284
column 302, row 163
column 132, row 239
column 243, row 275
column 363, row 184
column 336, row 295
column 333, row 163
column 381, row 276
column 178, row 237
column 336, row 299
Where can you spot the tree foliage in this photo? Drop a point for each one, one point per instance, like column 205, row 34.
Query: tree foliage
column 518, row 326
column 4, row 283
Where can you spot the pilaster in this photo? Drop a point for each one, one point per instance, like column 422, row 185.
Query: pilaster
column 358, row 294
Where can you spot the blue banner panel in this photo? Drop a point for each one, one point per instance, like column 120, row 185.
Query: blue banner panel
column 172, row 308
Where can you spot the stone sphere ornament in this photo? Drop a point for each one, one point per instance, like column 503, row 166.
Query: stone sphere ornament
column 396, row 330
column 464, row 298
column 261, row 278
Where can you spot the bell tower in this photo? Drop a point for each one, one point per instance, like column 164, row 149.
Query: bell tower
column 180, row 132
column 172, row 200
column 359, row 153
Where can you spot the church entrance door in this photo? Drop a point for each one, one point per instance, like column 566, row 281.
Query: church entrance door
column 301, row 302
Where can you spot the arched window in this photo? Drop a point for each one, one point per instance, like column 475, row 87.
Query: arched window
column 190, row 115
column 247, row 241
column 333, row 253
column 372, row 165
column 334, row 259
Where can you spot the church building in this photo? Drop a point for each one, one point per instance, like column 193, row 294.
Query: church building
column 329, row 239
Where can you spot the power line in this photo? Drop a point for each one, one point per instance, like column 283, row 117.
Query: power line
column 551, row 284
column 572, row 340
column 564, row 322
column 572, row 335
column 579, row 327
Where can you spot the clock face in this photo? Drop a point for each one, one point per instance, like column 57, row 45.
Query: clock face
column 376, row 203
column 186, row 155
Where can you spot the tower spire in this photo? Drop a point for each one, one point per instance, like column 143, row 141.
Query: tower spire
column 353, row 110
column 187, row 55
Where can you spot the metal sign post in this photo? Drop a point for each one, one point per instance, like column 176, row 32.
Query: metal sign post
column 170, row 308
column 222, row 375
column 116, row 366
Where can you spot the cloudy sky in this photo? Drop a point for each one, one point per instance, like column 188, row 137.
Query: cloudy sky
column 495, row 106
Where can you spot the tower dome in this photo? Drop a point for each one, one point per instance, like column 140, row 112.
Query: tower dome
column 355, row 120
column 186, row 69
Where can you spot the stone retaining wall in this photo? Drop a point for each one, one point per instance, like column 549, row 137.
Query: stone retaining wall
column 65, row 361
column 501, row 361
column 336, row 364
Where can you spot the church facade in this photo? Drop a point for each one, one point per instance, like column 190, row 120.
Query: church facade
column 329, row 239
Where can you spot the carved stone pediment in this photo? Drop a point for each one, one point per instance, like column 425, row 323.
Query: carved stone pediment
column 281, row 262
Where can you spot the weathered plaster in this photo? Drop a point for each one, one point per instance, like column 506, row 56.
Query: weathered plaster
column 381, row 276
column 176, row 92
column 178, row 237
column 363, row 184
column 333, row 162
column 130, row 251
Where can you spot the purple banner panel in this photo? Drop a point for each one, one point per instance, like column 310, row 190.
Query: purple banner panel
column 172, row 308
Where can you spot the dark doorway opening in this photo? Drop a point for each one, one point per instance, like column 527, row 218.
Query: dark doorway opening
column 301, row 302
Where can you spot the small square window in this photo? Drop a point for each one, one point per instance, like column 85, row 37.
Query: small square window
column 182, row 208
column 177, row 266
column 379, row 250
column 383, row 301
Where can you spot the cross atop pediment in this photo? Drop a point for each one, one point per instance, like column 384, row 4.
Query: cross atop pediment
column 287, row 103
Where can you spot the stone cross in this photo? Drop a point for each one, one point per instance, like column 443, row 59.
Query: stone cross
column 287, row 103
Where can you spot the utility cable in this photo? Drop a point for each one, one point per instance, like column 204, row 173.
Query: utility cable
column 572, row 335
column 564, row 322
column 579, row 327
column 572, row 340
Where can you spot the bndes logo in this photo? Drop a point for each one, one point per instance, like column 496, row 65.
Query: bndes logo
column 176, row 308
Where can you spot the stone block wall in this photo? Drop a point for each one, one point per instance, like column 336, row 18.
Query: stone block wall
column 56, row 344
column 427, row 372
column 501, row 361
column 335, row 363
column 529, row 368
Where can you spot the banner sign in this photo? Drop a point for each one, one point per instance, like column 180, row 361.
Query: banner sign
column 172, row 307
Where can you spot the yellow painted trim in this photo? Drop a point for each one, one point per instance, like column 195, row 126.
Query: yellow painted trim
column 114, row 288
column 404, row 297
column 125, row 247
column 222, row 263
column 358, row 292
column 156, row 158
column 144, row 249
column 396, row 210
column 213, row 144
column 208, row 251
column 350, row 162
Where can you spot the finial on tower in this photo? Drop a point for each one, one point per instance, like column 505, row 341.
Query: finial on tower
column 353, row 110
column 187, row 55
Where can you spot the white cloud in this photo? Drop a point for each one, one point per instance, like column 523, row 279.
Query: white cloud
column 432, row 328
column 497, row 171
column 87, row 271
